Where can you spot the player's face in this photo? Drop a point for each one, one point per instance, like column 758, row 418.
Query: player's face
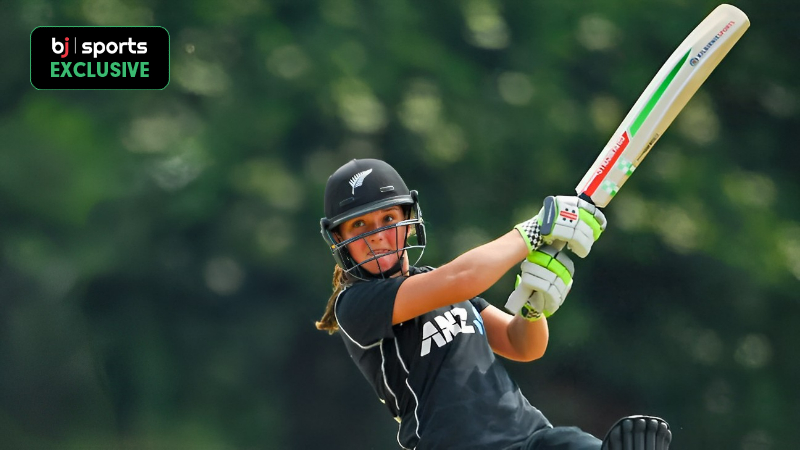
column 384, row 243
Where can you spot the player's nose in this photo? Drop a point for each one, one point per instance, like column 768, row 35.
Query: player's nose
column 374, row 237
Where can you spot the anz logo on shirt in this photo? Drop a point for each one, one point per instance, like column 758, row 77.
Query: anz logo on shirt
column 444, row 328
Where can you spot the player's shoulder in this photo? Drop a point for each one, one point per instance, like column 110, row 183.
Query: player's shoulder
column 366, row 290
column 378, row 287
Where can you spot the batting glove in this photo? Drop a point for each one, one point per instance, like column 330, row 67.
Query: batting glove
column 572, row 220
column 531, row 232
column 544, row 283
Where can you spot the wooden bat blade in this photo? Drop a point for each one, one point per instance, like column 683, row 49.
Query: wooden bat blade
column 666, row 95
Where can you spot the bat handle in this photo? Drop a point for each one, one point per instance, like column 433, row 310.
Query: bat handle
column 585, row 197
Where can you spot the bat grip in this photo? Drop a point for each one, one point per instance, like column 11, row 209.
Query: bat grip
column 585, row 197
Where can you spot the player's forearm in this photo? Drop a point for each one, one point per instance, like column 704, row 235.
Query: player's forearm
column 478, row 269
column 529, row 339
column 461, row 279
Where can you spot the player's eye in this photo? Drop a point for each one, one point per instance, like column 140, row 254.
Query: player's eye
column 389, row 218
column 358, row 223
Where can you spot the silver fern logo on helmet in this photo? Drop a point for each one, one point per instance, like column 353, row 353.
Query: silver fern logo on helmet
column 358, row 180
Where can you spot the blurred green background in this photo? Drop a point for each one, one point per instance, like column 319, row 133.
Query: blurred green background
column 161, row 267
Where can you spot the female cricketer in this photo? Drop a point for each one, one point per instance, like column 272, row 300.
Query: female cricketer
column 424, row 339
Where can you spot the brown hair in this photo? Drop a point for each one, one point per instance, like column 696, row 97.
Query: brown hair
column 328, row 321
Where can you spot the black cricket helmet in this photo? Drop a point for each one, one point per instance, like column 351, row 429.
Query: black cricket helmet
column 362, row 186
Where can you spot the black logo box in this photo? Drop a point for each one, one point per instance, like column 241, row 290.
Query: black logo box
column 117, row 67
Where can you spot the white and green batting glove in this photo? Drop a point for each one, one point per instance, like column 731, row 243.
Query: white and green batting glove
column 544, row 283
column 572, row 220
column 530, row 231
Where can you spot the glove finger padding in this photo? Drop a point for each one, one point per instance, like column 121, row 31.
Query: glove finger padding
column 638, row 433
column 595, row 212
column 544, row 283
column 572, row 220
column 518, row 297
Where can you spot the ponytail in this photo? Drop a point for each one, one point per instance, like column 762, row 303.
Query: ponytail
column 328, row 321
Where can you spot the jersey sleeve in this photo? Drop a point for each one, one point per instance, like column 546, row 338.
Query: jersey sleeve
column 364, row 311
column 479, row 303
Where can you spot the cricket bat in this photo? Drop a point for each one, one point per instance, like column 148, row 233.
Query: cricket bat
column 662, row 100
column 666, row 95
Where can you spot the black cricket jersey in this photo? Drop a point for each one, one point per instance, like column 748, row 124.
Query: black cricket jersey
column 436, row 373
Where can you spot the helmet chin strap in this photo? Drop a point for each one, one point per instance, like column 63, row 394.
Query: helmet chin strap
column 364, row 274
column 397, row 267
